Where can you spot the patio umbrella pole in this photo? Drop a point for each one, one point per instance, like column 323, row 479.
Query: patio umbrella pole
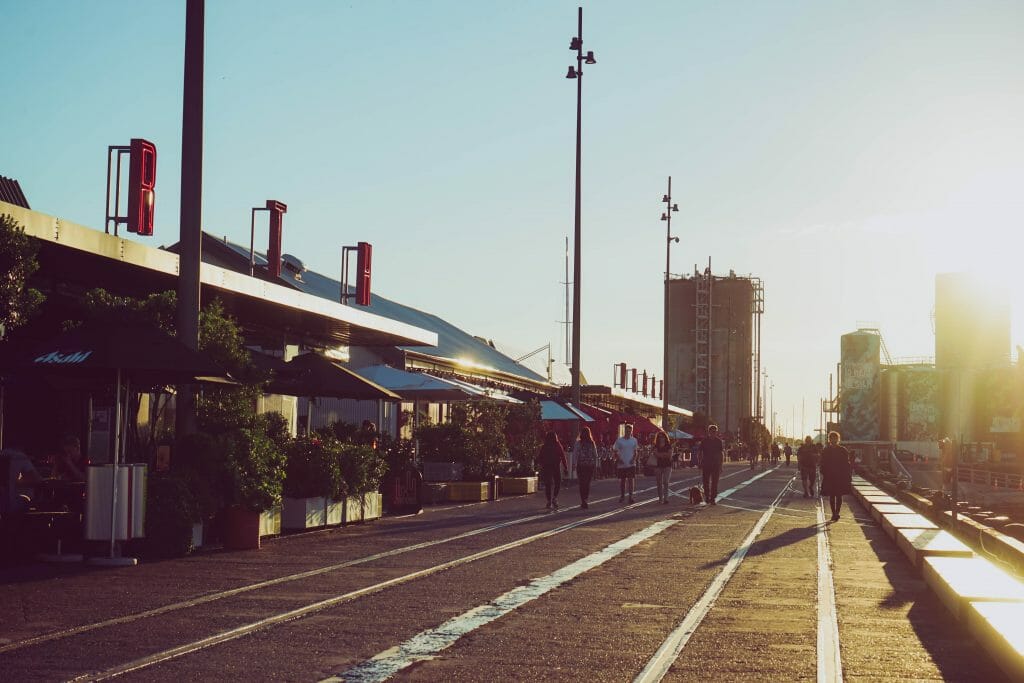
column 117, row 453
column 113, row 559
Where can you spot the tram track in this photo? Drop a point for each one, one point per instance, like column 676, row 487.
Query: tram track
column 298, row 576
column 261, row 587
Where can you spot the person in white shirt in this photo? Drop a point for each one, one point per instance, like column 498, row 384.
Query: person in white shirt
column 625, row 451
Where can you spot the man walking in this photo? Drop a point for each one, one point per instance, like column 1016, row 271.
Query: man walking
column 788, row 452
column 625, row 451
column 807, row 461
column 711, row 463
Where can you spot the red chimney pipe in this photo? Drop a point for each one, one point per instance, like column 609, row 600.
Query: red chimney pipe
column 277, row 211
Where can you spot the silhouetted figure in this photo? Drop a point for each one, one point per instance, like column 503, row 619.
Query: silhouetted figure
column 625, row 451
column 836, row 473
column 788, row 452
column 807, row 462
column 663, row 462
column 711, row 463
column 551, row 456
column 585, row 454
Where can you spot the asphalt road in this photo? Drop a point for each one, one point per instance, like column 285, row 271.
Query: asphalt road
column 754, row 588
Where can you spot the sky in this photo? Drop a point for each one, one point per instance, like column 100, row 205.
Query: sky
column 843, row 152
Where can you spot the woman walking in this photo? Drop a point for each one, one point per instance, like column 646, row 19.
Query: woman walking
column 836, row 473
column 663, row 462
column 584, row 452
column 551, row 456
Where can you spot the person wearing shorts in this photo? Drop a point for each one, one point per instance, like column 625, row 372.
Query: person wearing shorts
column 625, row 452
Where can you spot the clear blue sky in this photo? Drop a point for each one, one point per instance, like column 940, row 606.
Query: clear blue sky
column 844, row 152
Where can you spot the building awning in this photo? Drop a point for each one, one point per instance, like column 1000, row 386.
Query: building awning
column 557, row 412
column 314, row 375
column 84, row 258
column 415, row 386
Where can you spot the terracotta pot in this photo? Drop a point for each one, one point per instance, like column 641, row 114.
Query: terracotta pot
column 241, row 529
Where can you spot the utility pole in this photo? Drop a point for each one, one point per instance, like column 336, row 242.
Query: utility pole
column 191, row 214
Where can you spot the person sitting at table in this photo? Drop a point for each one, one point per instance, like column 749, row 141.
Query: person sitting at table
column 69, row 464
column 18, row 476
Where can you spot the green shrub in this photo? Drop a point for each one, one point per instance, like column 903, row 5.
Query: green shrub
column 198, row 460
column 314, row 468
column 362, row 467
column 171, row 510
column 254, row 472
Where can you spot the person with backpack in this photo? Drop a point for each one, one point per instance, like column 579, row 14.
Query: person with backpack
column 584, row 452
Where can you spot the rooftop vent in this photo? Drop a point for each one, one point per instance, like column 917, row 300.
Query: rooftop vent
column 293, row 265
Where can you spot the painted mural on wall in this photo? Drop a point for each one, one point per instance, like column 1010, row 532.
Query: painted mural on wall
column 1001, row 396
column 860, row 390
column 919, row 402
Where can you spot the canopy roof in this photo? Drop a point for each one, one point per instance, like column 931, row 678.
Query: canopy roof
column 453, row 345
column 414, row 386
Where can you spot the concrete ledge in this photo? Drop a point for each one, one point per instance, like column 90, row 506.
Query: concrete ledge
column 879, row 510
column 891, row 523
column 918, row 544
column 880, row 499
column 997, row 626
column 958, row 581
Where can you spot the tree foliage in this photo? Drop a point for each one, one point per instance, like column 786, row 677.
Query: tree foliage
column 18, row 301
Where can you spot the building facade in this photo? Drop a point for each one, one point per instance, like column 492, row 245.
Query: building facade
column 713, row 324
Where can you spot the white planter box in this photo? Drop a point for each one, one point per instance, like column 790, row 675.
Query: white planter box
column 373, row 506
column 335, row 511
column 353, row 509
column 270, row 521
column 303, row 513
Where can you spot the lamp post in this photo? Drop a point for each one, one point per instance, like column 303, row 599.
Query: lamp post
column 577, row 73
column 667, row 217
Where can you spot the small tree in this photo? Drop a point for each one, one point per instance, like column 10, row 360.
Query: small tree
column 522, row 431
column 18, row 301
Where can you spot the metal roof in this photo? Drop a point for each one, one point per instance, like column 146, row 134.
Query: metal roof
column 10, row 192
column 90, row 258
column 453, row 345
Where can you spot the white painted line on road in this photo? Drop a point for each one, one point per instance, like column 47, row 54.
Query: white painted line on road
column 290, row 615
column 429, row 643
column 195, row 602
column 830, row 664
column 670, row 650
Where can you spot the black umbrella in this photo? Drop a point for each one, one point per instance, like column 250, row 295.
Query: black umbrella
column 145, row 354
column 124, row 354
column 314, row 375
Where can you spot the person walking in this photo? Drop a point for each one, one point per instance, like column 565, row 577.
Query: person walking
column 807, row 463
column 788, row 452
column 776, row 453
column 550, row 458
column 711, row 463
column 663, row 462
column 584, row 452
column 625, row 452
column 836, row 473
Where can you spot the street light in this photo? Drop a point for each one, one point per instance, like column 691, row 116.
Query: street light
column 670, row 208
column 577, row 73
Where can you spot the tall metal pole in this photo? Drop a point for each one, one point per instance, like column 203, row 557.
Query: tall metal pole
column 191, row 202
column 577, row 73
column 667, row 217
column 577, row 235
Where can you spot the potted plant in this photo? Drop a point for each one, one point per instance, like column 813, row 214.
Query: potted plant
column 362, row 468
column 313, row 483
column 443, row 451
column 522, row 433
column 171, row 512
column 252, row 482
